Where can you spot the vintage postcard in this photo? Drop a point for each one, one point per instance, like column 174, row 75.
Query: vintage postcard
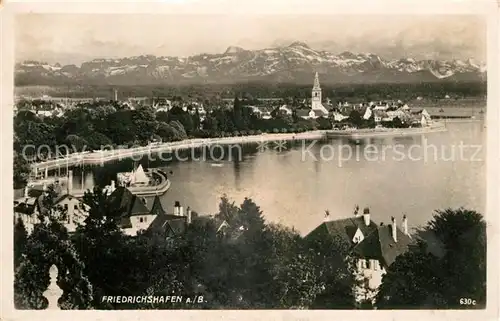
column 281, row 160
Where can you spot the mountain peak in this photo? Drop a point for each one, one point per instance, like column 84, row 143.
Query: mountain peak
column 348, row 55
column 233, row 50
column 299, row 44
column 281, row 64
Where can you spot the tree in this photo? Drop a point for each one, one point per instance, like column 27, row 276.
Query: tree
column 20, row 241
column 76, row 142
column 96, row 141
column 49, row 244
column 167, row 132
column 238, row 114
column 101, row 243
column 227, row 210
column 292, row 271
column 355, row 118
column 21, row 170
column 447, row 263
column 180, row 131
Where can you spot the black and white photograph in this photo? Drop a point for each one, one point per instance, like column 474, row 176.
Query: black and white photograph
column 245, row 161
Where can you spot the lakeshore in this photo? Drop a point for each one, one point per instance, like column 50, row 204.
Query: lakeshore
column 382, row 132
column 103, row 156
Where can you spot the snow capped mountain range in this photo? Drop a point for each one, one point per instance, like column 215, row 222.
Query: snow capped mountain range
column 293, row 63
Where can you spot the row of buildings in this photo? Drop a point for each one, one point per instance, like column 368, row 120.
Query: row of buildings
column 135, row 214
column 382, row 111
column 375, row 246
column 313, row 108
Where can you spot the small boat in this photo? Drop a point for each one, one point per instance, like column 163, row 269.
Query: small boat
column 217, row 164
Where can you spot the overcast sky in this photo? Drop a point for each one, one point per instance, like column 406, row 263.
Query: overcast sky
column 73, row 38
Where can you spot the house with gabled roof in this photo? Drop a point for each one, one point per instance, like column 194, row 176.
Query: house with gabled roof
column 136, row 216
column 169, row 225
column 374, row 246
column 70, row 210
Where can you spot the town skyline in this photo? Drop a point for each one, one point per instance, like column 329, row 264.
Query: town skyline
column 86, row 37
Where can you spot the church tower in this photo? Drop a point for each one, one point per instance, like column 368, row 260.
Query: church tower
column 316, row 96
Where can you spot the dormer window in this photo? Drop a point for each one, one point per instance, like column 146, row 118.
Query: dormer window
column 358, row 236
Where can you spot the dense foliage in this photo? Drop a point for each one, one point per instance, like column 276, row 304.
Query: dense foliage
column 237, row 260
column 48, row 244
column 209, row 93
column 248, row 264
column 107, row 124
column 444, row 269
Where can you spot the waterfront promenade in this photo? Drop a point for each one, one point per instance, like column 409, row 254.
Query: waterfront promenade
column 103, row 156
column 384, row 132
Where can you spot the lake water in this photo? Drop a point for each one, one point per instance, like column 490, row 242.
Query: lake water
column 294, row 185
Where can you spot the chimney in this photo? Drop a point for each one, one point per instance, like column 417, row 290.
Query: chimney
column 116, row 95
column 188, row 214
column 366, row 216
column 70, row 182
column 181, row 211
column 26, row 190
column 405, row 225
column 113, row 186
column 177, row 206
column 394, row 229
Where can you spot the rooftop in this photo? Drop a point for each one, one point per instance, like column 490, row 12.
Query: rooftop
column 377, row 243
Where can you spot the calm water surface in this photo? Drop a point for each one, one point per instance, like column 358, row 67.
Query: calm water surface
column 295, row 188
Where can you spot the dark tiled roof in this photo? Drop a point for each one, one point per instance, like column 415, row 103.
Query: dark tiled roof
column 347, row 227
column 377, row 242
column 121, row 198
column 25, row 208
column 35, row 192
column 178, row 226
column 157, row 208
column 169, row 224
column 390, row 249
column 138, row 207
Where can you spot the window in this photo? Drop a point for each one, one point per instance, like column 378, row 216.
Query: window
column 141, row 219
column 65, row 207
column 145, row 219
column 75, row 207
